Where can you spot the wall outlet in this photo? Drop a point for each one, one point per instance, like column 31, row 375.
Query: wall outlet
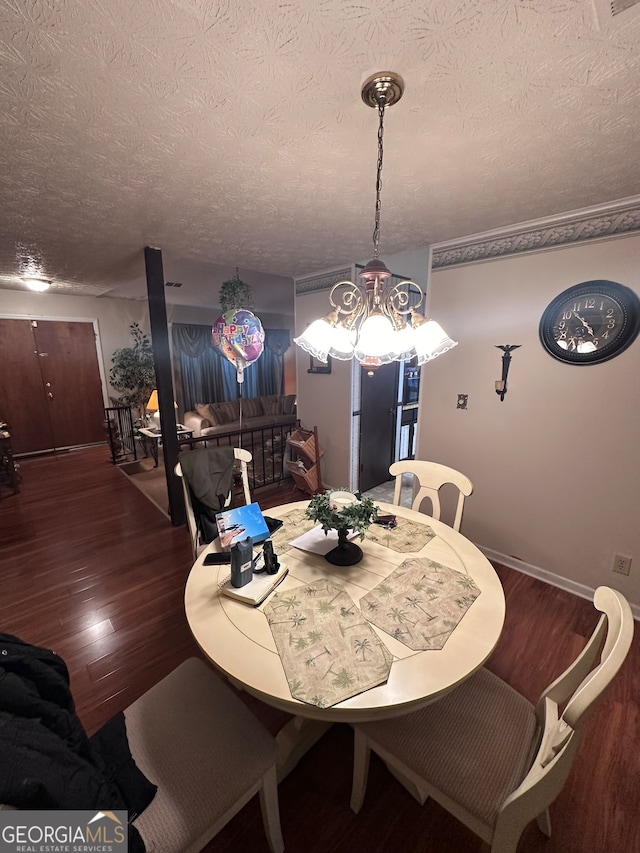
column 621, row 564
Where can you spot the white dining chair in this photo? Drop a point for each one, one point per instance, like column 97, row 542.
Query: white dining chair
column 208, row 754
column 485, row 753
column 431, row 477
column 243, row 457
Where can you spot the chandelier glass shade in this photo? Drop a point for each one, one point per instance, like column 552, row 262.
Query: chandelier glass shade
column 376, row 322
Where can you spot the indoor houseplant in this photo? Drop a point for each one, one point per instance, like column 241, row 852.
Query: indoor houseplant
column 235, row 294
column 133, row 371
column 343, row 511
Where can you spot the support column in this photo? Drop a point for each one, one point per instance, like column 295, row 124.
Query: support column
column 164, row 383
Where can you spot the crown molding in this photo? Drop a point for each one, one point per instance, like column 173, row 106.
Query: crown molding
column 321, row 281
column 615, row 219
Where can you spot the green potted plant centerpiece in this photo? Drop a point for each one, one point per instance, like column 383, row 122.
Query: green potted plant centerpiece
column 343, row 511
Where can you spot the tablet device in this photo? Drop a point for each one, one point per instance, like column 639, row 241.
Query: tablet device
column 273, row 524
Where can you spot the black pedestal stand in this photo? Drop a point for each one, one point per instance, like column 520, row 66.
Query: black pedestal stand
column 346, row 553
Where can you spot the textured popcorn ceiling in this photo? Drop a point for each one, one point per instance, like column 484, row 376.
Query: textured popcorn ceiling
column 233, row 132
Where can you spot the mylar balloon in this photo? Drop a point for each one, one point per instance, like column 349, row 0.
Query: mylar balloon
column 239, row 335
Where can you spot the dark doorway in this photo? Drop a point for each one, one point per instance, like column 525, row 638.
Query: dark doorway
column 50, row 384
column 378, row 408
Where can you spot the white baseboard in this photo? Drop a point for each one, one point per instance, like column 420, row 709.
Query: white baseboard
column 578, row 589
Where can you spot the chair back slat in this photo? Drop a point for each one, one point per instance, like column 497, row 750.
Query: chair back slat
column 431, row 477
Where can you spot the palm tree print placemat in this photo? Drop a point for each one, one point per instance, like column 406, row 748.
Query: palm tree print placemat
column 328, row 650
column 420, row 603
column 295, row 523
column 405, row 537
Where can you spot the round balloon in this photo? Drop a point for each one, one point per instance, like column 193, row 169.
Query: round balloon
column 239, row 335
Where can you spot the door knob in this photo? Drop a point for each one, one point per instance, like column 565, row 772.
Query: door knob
column 51, row 395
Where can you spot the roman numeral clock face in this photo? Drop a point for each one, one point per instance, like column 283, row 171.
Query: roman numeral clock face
column 590, row 322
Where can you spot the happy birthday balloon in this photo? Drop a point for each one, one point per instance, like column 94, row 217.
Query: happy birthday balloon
column 239, row 335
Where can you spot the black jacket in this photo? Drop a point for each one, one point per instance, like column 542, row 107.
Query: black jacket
column 208, row 472
column 48, row 762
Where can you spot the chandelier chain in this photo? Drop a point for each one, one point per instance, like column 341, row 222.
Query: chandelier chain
column 376, row 321
column 376, row 229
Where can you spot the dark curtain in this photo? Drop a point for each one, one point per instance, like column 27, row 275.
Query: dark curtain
column 207, row 376
column 270, row 374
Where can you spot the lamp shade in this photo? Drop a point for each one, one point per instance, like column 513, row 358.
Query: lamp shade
column 326, row 337
column 431, row 340
column 377, row 339
column 152, row 403
column 316, row 339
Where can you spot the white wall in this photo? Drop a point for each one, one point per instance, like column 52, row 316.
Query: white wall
column 324, row 400
column 555, row 467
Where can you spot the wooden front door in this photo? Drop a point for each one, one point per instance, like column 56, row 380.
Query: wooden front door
column 378, row 408
column 50, row 384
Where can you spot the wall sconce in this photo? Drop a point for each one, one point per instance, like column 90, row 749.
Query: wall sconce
column 501, row 384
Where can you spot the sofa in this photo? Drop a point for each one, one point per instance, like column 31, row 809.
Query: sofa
column 266, row 423
column 211, row 419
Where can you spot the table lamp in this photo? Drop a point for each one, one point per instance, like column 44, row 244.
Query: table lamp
column 154, row 406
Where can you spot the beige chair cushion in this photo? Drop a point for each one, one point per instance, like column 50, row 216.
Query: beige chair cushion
column 188, row 728
column 491, row 727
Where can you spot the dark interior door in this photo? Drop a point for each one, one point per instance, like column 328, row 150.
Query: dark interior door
column 23, row 402
column 50, row 388
column 378, row 406
column 71, row 377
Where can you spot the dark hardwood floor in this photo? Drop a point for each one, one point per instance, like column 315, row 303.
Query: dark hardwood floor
column 90, row 568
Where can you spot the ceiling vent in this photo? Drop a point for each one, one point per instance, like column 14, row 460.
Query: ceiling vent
column 618, row 6
column 173, row 284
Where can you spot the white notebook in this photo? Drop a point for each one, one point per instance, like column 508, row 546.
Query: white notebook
column 257, row 589
column 317, row 541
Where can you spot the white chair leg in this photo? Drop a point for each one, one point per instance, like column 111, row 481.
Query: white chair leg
column 544, row 822
column 361, row 756
column 271, row 811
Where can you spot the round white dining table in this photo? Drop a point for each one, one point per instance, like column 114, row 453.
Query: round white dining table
column 237, row 639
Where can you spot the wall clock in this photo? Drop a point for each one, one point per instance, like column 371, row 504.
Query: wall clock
column 590, row 322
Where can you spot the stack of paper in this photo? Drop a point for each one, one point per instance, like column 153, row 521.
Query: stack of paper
column 317, row 541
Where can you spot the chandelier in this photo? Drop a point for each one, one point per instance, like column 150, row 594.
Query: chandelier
column 376, row 322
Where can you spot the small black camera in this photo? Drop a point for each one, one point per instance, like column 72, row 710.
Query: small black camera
column 271, row 564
